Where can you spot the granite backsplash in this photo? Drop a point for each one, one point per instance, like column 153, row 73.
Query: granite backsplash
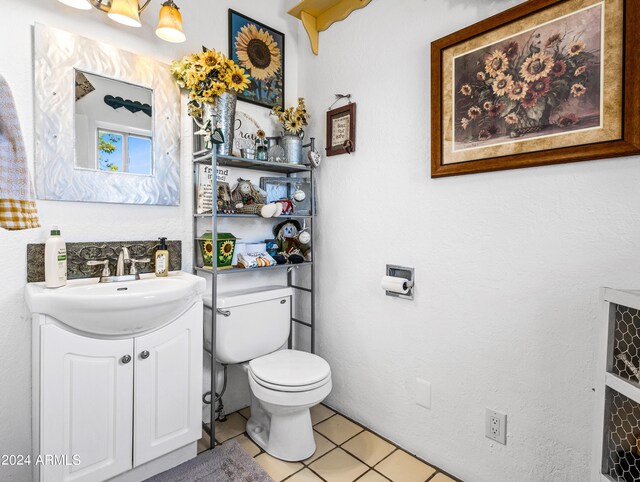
column 79, row 253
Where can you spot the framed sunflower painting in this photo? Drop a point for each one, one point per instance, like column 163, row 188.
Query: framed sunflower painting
column 546, row 82
column 260, row 50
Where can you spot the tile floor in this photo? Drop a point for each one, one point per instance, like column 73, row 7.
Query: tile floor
column 345, row 452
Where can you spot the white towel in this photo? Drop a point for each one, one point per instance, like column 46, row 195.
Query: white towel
column 255, row 260
column 17, row 199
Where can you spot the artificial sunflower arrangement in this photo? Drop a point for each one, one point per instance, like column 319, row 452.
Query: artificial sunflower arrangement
column 207, row 75
column 292, row 119
column 525, row 87
column 261, row 138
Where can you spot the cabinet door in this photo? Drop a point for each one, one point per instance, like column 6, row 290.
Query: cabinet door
column 86, row 406
column 168, row 387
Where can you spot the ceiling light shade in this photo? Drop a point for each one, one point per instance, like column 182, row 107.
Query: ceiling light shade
column 79, row 4
column 170, row 23
column 126, row 12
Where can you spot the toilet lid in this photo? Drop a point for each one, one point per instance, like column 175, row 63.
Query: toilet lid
column 290, row 368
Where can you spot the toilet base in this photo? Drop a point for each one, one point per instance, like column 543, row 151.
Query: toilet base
column 286, row 436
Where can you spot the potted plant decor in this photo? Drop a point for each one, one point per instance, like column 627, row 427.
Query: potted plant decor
column 292, row 120
column 213, row 82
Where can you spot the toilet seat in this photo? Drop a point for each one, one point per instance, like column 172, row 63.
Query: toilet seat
column 282, row 397
column 291, row 389
column 290, row 371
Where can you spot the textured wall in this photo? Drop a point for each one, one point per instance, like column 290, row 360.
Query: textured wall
column 508, row 264
column 205, row 23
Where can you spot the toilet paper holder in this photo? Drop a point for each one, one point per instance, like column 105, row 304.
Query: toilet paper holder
column 402, row 272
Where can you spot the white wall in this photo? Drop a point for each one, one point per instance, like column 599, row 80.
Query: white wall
column 508, row 264
column 205, row 23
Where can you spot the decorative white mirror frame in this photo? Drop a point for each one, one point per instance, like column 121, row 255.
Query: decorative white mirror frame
column 58, row 54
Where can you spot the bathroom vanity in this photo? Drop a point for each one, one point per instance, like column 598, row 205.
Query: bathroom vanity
column 117, row 376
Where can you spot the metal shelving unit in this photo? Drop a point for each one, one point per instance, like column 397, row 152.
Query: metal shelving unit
column 210, row 157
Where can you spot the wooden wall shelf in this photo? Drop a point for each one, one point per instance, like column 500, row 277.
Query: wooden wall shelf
column 318, row 15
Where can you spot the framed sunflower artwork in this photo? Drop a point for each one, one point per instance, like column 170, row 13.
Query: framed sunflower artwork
column 258, row 49
column 546, row 82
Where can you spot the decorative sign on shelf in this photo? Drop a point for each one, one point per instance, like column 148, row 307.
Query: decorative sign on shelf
column 245, row 133
column 204, row 193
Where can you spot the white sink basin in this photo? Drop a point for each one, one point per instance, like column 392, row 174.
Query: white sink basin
column 113, row 309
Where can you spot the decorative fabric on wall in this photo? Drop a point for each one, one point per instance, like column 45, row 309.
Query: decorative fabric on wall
column 17, row 199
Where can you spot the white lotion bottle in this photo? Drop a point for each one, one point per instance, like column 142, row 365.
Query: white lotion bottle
column 55, row 260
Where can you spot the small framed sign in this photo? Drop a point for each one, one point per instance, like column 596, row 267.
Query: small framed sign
column 341, row 130
column 204, row 193
column 204, row 196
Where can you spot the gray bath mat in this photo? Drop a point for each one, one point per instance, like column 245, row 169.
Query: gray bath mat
column 226, row 463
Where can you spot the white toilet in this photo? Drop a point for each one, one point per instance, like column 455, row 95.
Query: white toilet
column 284, row 383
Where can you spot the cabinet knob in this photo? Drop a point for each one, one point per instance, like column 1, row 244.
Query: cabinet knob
column 144, row 355
column 125, row 359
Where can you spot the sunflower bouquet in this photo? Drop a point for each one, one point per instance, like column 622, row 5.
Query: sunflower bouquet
column 292, row 119
column 519, row 88
column 207, row 75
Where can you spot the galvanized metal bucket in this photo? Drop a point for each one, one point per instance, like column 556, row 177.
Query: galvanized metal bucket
column 224, row 111
column 292, row 145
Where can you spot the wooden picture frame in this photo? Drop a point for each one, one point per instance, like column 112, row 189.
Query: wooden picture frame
column 267, row 87
column 278, row 188
column 605, row 67
column 224, row 203
column 341, row 130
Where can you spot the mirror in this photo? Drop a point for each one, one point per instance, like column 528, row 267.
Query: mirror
column 107, row 123
column 113, row 125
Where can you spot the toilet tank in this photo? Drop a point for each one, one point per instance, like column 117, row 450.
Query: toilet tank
column 258, row 323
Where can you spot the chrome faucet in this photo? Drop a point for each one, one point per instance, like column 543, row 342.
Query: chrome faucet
column 123, row 258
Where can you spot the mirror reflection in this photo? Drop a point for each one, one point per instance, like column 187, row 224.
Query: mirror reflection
column 113, row 125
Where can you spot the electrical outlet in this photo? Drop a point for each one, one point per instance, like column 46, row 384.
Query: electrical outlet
column 423, row 393
column 496, row 426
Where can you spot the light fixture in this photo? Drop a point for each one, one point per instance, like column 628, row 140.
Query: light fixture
column 127, row 12
column 79, row 4
column 170, row 23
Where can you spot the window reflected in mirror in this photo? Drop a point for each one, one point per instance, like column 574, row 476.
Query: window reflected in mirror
column 113, row 125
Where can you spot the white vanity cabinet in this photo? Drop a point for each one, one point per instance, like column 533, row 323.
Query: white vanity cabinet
column 168, row 388
column 86, row 405
column 115, row 403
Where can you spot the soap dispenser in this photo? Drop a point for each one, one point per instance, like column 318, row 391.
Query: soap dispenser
column 55, row 260
column 162, row 259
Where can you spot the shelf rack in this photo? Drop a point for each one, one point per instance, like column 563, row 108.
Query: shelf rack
column 616, row 455
column 318, row 15
column 210, row 157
